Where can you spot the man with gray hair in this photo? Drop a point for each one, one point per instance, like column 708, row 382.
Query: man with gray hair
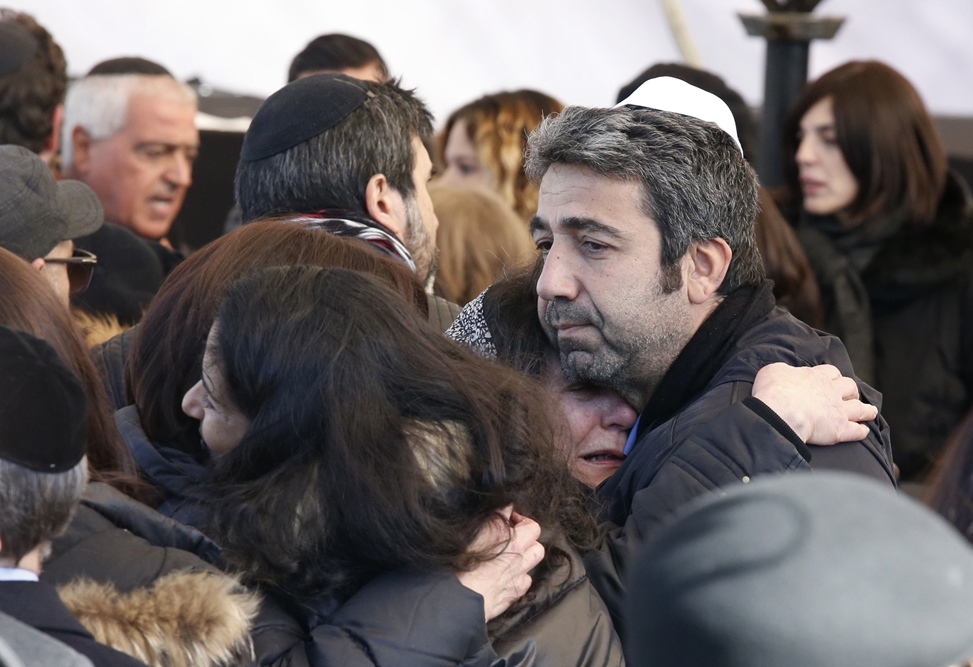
column 652, row 285
column 130, row 134
column 43, row 470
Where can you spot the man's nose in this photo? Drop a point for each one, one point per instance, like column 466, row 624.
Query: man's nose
column 558, row 278
column 180, row 171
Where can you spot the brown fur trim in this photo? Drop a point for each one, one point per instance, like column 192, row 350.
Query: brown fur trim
column 186, row 619
column 97, row 328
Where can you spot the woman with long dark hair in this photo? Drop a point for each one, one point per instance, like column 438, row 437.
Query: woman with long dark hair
column 351, row 441
column 889, row 233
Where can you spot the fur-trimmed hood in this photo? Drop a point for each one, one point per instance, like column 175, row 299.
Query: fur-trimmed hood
column 186, row 619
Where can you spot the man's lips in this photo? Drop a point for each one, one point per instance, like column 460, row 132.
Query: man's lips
column 566, row 327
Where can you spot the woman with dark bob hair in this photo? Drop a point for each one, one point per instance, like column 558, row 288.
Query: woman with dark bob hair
column 352, row 441
column 889, row 234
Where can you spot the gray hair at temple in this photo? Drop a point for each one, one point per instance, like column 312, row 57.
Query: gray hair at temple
column 35, row 507
column 99, row 104
column 696, row 184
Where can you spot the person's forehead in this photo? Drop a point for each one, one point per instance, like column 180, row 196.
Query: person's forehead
column 164, row 115
column 569, row 191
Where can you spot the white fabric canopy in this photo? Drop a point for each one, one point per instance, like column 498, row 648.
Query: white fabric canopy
column 580, row 51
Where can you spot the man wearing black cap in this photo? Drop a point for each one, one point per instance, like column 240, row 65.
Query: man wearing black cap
column 33, row 78
column 41, row 217
column 346, row 155
column 43, row 470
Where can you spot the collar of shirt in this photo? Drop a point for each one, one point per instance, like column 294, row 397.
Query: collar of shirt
column 632, row 436
column 17, row 574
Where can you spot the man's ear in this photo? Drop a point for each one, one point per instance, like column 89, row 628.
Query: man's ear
column 81, row 143
column 38, row 263
column 707, row 263
column 385, row 205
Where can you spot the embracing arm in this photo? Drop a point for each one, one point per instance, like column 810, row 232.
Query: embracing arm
column 766, row 433
column 426, row 619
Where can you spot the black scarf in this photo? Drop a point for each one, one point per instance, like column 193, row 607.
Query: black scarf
column 706, row 352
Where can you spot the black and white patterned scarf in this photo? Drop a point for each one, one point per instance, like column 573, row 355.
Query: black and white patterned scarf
column 347, row 223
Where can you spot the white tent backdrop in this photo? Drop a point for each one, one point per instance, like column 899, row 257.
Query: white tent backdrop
column 580, row 51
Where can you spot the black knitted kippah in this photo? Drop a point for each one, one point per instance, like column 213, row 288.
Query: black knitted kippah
column 299, row 111
column 17, row 46
column 42, row 406
column 129, row 65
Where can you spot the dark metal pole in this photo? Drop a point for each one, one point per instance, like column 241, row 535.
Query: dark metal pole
column 788, row 29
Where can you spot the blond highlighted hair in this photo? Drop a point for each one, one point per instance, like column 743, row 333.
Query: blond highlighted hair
column 498, row 125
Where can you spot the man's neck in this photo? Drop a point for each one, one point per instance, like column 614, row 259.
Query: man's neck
column 30, row 562
column 638, row 396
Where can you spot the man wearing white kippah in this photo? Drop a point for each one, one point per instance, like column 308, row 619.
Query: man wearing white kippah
column 652, row 285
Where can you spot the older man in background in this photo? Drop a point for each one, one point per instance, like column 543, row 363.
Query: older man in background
column 130, row 134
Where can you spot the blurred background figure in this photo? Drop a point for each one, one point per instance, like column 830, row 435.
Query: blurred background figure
column 33, row 80
column 479, row 238
column 889, row 232
column 794, row 286
column 812, row 570
column 482, row 145
column 130, row 134
column 342, row 54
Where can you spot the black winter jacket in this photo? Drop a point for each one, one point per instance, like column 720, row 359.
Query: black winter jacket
column 702, row 430
column 901, row 299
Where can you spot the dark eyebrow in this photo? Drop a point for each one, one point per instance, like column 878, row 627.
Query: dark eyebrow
column 590, row 225
column 539, row 225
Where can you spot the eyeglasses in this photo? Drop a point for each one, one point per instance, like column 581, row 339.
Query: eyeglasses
column 80, row 265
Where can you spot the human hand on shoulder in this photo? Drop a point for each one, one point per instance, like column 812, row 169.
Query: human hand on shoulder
column 817, row 402
column 504, row 579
